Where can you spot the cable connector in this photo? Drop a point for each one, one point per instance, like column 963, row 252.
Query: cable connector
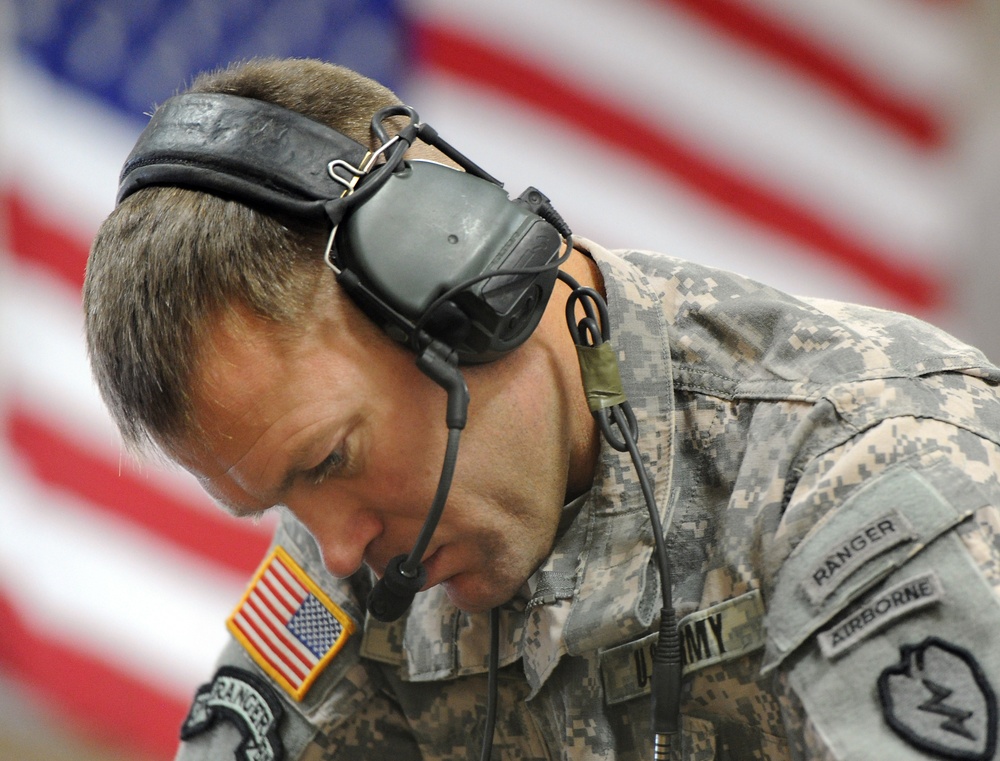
column 540, row 204
column 666, row 686
column 440, row 364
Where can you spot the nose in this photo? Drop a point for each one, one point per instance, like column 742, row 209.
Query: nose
column 342, row 533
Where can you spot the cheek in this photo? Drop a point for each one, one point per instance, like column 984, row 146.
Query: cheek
column 515, row 435
column 403, row 461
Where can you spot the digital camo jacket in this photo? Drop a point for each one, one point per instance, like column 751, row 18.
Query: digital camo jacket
column 828, row 476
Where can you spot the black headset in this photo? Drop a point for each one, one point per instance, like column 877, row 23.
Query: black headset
column 429, row 252
column 443, row 259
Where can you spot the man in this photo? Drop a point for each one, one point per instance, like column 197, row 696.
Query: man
column 826, row 476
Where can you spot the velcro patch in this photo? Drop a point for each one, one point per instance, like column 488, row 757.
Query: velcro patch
column 245, row 701
column 938, row 699
column 717, row 634
column 879, row 611
column 722, row 632
column 852, row 551
column 288, row 625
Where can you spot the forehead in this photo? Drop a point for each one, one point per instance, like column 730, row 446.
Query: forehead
column 241, row 354
column 237, row 364
column 240, row 357
column 247, row 373
column 261, row 391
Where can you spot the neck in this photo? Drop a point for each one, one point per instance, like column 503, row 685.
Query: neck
column 584, row 436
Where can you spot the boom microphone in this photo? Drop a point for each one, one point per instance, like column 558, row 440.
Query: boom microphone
column 405, row 575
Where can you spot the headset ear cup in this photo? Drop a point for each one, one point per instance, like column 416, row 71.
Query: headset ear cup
column 448, row 323
column 450, row 252
column 522, row 316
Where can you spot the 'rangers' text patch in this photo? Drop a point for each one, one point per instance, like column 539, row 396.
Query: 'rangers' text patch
column 245, row 701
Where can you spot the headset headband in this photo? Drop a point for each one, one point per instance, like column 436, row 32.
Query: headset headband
column 200, row 141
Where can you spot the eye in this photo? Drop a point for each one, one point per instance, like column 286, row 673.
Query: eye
column 330, row 465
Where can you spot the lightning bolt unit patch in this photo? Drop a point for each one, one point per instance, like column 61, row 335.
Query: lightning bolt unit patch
column 938, row 700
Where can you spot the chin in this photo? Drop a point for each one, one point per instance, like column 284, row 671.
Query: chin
column 474, row 596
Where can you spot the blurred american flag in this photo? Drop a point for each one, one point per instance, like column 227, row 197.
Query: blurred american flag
column 821, row 147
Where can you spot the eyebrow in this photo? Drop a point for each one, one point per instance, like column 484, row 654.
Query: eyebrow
column 239, row 512
column 275, row 500
column 293, row 472
column 275, row 496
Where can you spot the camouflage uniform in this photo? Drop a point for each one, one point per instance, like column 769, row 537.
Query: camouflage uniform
column 828, row 477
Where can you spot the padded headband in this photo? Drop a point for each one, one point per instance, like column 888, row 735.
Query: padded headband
column 241, row 148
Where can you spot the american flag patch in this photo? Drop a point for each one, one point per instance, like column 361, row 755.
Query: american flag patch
column 290, row 627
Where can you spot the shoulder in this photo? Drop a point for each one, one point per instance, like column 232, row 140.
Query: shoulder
column 734, row 336
column 295, row 649
column 885, row 584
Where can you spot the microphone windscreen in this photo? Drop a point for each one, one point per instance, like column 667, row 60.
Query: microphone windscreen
column 394, row 592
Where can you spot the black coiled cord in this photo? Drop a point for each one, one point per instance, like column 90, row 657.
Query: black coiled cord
column 618, row 425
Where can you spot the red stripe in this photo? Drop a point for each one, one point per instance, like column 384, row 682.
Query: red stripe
column 485, row 66
column 117, row 488
column 296, row 593
column 274, row 585
column 254, row 632
column 111, row 706
column 754, row 28
column 38, row 237
column 250, row 632
column 280, row 634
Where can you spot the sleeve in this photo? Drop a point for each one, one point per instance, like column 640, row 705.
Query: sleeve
column 291, row 685
column 883, row 628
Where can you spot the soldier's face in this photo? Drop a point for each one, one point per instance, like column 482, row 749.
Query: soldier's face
column 337, row 425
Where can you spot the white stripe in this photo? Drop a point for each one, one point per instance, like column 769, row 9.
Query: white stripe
column 275, row 591
column 41, row 337
column 108, row 589
column 60, row 143
column 918, row 48
column 264, row 646
column 280, row 570
column 268, row 621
